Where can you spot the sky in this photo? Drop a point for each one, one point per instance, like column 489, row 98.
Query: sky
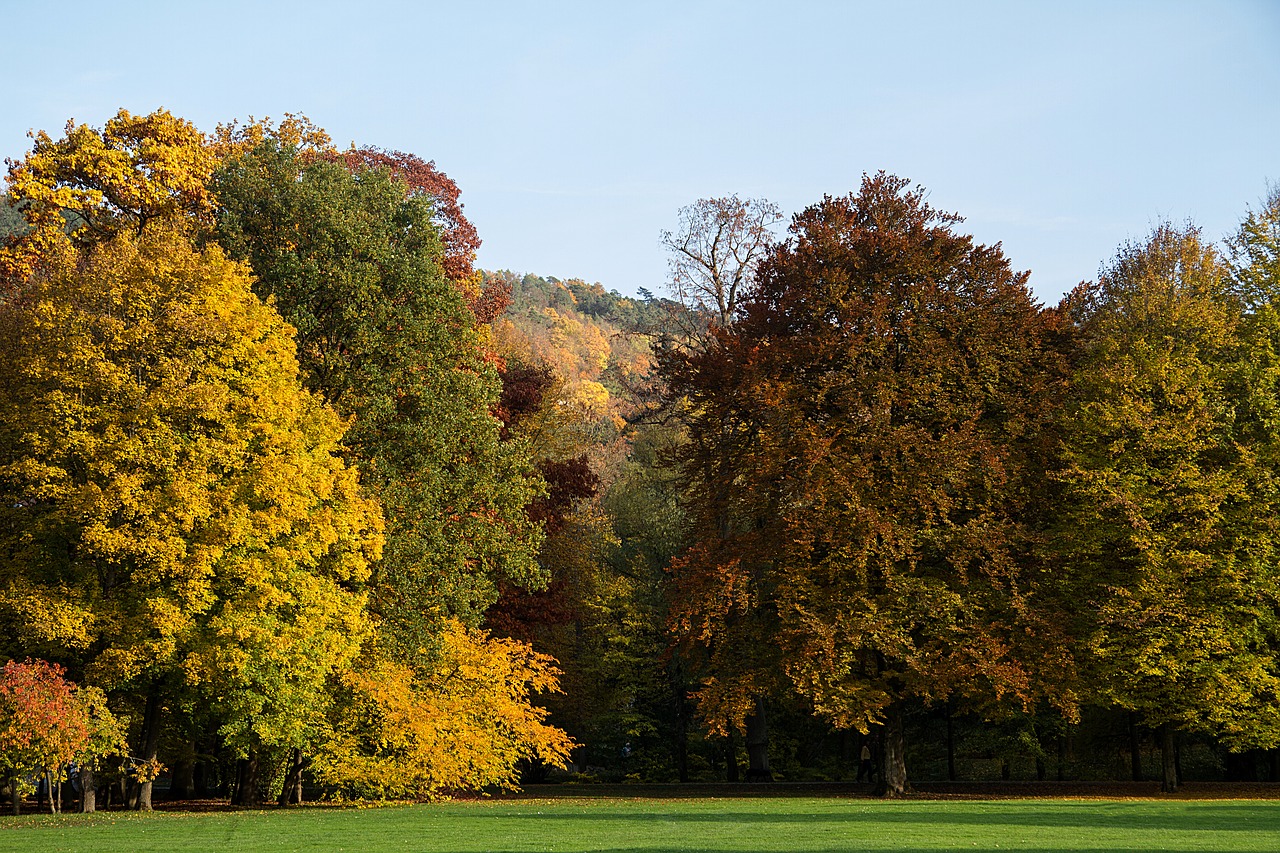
column 576, row 131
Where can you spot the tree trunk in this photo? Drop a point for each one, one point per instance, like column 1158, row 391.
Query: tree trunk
column 150, row 745
column 682, row 734
column 758, row 745
column 88, row 793
column 731, row 757
column 248, row 791
column 291, row 791
column 182, row 786
column 1135, row 748
column 1168, row 769
column 53, row 795
column 951, row 746
column 200, row 778
column 1062, row 758
column 17, row 797
column 893, row 771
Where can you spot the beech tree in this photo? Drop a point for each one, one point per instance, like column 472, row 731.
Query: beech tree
column 862, row 447
column 1167, row 524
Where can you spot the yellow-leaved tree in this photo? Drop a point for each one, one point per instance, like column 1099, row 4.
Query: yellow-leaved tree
column 176, row 522
column 464, row 726
column 91, row 183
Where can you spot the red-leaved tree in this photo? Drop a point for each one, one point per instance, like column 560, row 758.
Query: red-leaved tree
column 47, row 723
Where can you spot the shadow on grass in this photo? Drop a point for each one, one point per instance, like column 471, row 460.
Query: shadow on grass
column 1165, row 817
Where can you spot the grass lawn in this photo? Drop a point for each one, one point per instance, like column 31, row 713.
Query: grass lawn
column 649, row 826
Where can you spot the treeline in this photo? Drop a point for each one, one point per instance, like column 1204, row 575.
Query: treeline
column 883, row 497
column 256, row 485
column 292, row 497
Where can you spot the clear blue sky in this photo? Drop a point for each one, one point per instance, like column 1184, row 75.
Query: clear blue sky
column 576, row 130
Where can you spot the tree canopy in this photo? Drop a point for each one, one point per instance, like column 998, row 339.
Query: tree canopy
column 860, row 453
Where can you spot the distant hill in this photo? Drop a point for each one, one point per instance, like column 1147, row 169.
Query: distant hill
column 596, row 342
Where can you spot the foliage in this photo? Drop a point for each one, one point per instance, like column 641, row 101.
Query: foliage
column 173, row 509
column 91, row 184
column 458, row 235
column 11, row 219
column 47, row 723
column 1167, row 525
column 462, row 725
column 1255, row 255
column 353, row 261
column 859, row 457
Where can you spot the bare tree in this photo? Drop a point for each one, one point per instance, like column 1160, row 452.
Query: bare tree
column 715, row 252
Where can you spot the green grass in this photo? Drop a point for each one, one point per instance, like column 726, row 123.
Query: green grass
column 796, row 825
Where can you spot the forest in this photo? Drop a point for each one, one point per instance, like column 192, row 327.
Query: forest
column 296, row 502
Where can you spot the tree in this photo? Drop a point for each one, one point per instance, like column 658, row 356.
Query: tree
column 457, row 234
column 91, row 184
column 351, row 255
column 174, row 518
column 862, row 446
column 1255, row 256
column 353, row 261
column 46, row 723
column 1166, row 525
column 463, row 726
column 715, row 252
column 713, row 262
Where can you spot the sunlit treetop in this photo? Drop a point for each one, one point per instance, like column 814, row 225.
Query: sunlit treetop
column 91, row 184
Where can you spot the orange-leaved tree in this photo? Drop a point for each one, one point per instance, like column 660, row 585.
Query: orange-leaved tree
column 46, row 723
column 863, row 442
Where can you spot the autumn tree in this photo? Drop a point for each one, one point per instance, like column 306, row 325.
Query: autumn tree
column 351, row 255
column 92, row 183
column 464, row 725
column 715, row 251
column 457, row 234
column 859, row 459
column 47, row 723
column 174, row 517
column 1166, row 526
column 712, row 262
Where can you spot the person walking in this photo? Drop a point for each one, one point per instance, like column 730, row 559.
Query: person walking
column 866, row 770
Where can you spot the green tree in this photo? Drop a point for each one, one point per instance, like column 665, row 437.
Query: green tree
column 174, row 519
column 862, row 448
column 353, row 261
column 1166, row 527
